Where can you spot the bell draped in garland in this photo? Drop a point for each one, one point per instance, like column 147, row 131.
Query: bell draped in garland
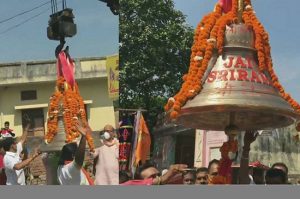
column 67, row 103
column 231, row 80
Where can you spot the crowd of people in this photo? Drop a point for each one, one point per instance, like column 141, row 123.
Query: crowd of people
column 70, row 169
column 148, row 174
column 106, row 164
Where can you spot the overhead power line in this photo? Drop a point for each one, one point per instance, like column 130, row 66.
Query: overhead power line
column 23, row 22
column 24, row 12
column 29, row 19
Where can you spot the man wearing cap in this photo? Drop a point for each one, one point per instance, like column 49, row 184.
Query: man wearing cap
column 107, row 158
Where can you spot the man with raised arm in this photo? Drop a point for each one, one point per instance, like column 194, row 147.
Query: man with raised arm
column 13, row 164
column 70, row 166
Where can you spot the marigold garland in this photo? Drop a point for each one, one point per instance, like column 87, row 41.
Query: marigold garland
column 209, row 35
column 73, row 111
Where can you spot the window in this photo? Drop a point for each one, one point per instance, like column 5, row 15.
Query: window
column 36, row 117
column 215, row 153
column 28, row 95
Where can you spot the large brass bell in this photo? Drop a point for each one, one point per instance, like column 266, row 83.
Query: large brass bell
column 236, row 92
column 59, row 140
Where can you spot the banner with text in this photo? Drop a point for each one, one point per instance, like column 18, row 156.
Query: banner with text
column 112, row 68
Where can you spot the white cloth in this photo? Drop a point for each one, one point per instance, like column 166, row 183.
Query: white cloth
column 251, row 179
column 14, row 177
column 107, row 167
column 6, row 135
column 70, row 174
column 164, row 172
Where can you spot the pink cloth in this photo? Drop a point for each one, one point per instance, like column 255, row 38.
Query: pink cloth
column 225, row 167
column 226, row 5
column 2, row 175
column 66, row 68
column 1, row 161
column 107, row 167
column 139, row 182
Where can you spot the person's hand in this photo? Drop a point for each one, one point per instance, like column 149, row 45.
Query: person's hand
column 177, row 168
column 81, row 130
column 36, row 152
column 250, row 136
column 88, row 129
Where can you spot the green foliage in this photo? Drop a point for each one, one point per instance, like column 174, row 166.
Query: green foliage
column 155, row 44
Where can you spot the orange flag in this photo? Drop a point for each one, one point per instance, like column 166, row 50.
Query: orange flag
column 142, row 152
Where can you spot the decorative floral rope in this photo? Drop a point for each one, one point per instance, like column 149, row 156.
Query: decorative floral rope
column 73, row 111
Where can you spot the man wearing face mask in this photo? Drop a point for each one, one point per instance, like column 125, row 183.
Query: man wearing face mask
column 107, row 158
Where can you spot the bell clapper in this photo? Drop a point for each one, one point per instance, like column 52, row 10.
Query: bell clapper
column 230, row 148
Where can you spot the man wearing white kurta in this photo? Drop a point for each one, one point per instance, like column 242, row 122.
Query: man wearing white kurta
column 107, row 156
column 13, row 163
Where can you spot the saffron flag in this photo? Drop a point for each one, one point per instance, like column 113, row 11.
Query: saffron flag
column 142, row 152
column 134, row 142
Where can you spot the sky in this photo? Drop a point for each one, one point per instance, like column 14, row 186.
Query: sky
column 280, row 18
column 97, row 31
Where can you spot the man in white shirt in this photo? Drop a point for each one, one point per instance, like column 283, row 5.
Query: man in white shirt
column 13, row 163
column 107, row 158
column 70, row 171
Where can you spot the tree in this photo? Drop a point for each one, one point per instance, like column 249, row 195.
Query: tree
column 155, row 44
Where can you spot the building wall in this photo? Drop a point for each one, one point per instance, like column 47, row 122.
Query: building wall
column 100, row 111
column 46, row 71
column 278, row 146
column 164, row 151
column 270, row 147
column 170, row 143
column 207, row 145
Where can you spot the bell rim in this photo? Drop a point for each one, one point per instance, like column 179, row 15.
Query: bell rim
column 239, row 48
column 291, row 115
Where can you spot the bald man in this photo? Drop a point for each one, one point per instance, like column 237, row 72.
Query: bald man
column 110, row 130
column 107, row 156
